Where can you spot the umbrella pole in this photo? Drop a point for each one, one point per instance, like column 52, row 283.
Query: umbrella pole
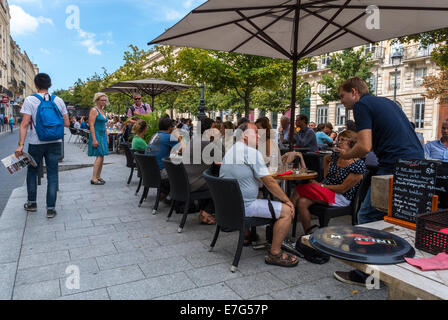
column 293, row 105
column 295, row 60
column 152, row 101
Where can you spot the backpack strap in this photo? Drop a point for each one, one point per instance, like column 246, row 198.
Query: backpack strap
column 38, row 97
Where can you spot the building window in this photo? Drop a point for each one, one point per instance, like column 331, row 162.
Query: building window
column 322, row 114
column 392, row 80
column 323, row 89
column 419, row 113
column 419, row 74
column 341, row 116
column 325, row 61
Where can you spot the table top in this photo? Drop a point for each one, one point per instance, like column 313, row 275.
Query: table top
column 423, row 284
column 294, row 177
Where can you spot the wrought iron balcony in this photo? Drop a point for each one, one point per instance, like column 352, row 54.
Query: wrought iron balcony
column 416, row 51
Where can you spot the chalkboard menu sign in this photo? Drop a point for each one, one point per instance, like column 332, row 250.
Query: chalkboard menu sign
column 414, row 185
column 442, row 184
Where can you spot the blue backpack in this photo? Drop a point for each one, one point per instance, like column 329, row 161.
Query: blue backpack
column 49, row 120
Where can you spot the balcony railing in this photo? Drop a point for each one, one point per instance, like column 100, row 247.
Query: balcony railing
column 416, row 51
column 377, row 52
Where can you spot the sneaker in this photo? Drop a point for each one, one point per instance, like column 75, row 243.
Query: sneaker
column 51, row 213
column 351, row 277
column 31, row 207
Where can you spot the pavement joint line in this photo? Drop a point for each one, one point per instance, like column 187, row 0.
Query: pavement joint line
column 20, row 256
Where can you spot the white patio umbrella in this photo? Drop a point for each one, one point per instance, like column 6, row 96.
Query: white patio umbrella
column 296, row 29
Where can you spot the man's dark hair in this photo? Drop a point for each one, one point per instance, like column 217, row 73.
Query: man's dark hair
column 303, row 117
column 206, row 124
column 165, row 123
column 242, row 120
column 320, row 127
column 42, row 81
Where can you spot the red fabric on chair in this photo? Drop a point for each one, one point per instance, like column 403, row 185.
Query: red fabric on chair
column 314, row 191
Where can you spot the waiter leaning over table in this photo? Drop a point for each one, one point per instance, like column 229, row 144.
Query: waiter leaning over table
column 384, row 129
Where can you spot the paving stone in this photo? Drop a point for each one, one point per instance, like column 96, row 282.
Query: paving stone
column 110, row 237
column 72, row 225
column 92, row 251
column 84, row 232
column 100, row 294
column 32, row 237
column 42, row 247
column 7, row 273
column 54, row 271
column 151, row 288
column 103, row 279
column 41, row 259
column 105, row 221
column 256, row 285
column 323, row 289
column 121, row 260
column 135, row 245
column 221, row 291
column 212, row 274
column 38, row 291
column 165, row 266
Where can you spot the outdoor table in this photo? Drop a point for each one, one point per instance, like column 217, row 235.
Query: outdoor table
column 114, row 135
column 404, row 281
column 308, row 175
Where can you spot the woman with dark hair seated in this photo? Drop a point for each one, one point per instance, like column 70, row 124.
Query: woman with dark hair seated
column 342, row 180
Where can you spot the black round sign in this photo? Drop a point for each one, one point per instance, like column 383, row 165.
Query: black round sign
column 362, row 245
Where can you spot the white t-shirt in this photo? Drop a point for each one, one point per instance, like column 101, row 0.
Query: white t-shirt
column 247, row 165
column 30, row 106
column 77, row 125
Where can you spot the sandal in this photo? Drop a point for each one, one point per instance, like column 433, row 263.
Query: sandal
column 101, row 180
column 280, row 260
column 206, row 218
column 97, row 182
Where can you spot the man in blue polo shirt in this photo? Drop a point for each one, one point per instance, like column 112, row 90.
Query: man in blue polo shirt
column 161, row 144
column 438, row 149
column 384, row 129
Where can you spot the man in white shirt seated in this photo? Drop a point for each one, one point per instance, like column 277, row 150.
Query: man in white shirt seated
column 245, row 163
column 77, row 124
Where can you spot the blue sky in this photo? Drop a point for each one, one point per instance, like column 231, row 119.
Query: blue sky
column 106, row 29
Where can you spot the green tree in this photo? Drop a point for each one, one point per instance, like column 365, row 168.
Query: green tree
column 231, row 72
column 345, row 65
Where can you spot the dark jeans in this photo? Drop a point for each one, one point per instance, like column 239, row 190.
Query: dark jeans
column 51, row 152
column 11, row 125
column 367, row 213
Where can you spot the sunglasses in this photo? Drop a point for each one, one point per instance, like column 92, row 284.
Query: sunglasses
column 137, row 98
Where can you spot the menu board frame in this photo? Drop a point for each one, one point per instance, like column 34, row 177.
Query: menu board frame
column 391, row 216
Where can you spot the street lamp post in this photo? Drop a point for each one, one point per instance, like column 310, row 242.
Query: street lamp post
column 201, row 108
column 396, row 62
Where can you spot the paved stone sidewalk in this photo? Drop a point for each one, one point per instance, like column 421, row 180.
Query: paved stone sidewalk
column 125, row 252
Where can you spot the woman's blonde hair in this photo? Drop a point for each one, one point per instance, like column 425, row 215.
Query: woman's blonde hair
column 99, row 95
column 139, row 126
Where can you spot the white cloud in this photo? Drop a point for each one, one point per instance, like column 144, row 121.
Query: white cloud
column 23, row 23
column 89, row 41
column 171, row 14
column 45, row 51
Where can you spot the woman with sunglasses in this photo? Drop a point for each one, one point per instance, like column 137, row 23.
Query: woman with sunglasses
column 342, row 180
column 98, row 139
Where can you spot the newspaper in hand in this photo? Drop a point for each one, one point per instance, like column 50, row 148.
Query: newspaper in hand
column 14, row 164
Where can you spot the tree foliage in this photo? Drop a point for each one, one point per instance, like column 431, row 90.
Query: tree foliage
column 345, row 65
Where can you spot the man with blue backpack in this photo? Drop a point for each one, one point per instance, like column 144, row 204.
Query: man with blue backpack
column 46, row 115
